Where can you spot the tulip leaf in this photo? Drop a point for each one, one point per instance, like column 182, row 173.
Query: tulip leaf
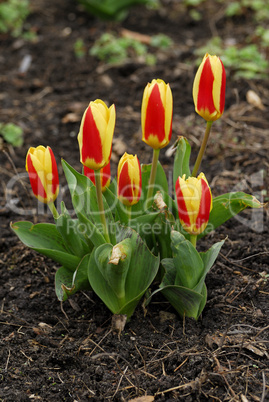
column 182, row 159
column 75, row 179
column 120, row 286
column 71, row 232
column 226, row 206
column 67, row 282
column 189, row 265
column 84, row 201
column 161, row 184
column 116, row 207
column 45, row 238
column 183, row 287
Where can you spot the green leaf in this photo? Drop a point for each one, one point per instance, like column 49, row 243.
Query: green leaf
column 84, row 200
column 161, row 184
column 188, row 302
column 67, row 282
column 208, row 258
column 228, row 205
column 136, row 273
column 189, row 265
column 70, row 231
column 45, row 238
column 182, row 159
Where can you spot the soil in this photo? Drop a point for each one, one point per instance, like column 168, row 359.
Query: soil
column 68, row 352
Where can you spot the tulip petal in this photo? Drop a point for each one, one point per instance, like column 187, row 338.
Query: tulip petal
column 155, row 117
column 205, row 204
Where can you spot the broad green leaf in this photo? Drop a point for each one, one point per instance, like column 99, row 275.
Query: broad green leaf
column 75, row 179
column 84, row 201
column 208, row 258
column 45, row 238
column 142, row 269
column 185, row 301
column 188, row 263
column 160, row 185
column 91, row 231
column 228, row 205
column 71, row 233
column 182, row 159
column 68, row 283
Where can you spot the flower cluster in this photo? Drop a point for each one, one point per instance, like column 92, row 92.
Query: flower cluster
column 115, row 254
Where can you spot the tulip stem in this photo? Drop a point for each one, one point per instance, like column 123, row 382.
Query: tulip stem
column 152, row 177
column 99, row 196
column 53, row 210
column 128, row 212
column 193, row 239
column 202, row 149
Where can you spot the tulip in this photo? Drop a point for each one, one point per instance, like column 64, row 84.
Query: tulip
column 129, row 180
column 43, row 174
column 194, row 202
column 209, row 88
column 156, row 114
column 105, row 176
column 96, row 134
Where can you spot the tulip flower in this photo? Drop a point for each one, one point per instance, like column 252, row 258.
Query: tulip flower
column 209, row 97
column 105, row 175
column 209, row 88
column 194, row 202
column 129, row 180
column 43, row 174
column 156, row 114
column 96, row 134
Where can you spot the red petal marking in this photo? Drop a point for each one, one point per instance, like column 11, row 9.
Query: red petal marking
column 182, row 209
column 55, row 176
column 222, row 90
column 205, row 204
column 125, row 185
column 170, row 132
column 35, row 181
column 205, row 90
column 91, row 141
column 89, row 173
column 106, row 174
column 155, row 115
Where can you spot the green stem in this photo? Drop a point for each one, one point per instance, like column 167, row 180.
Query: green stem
column 202, row 149
column 53, row 210
column 128, row 212
column 99, row 196
column 152, row 177
column 193, row 239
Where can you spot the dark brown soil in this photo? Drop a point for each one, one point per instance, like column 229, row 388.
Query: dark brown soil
column 54, row 352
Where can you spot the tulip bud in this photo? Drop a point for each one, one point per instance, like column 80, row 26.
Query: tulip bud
column 96, row 134
column 156, row 114
column 105, row 175
column 194, row 202
column 209, row 88
column 43, row 173
column 129, row 180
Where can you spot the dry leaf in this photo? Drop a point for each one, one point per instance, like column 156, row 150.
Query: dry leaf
column 146, row 398
column 254, row 99
column 71, row 118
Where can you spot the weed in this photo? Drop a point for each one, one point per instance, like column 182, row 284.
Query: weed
column 246, row 62
column 12, row 16
column 12, row 134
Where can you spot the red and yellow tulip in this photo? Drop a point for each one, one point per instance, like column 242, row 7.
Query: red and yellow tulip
column 156, row 114
column 96, row 134
column 105, row 175
column 209, row 88
column 43, row 173
column 194, row 200
column 129, row 179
